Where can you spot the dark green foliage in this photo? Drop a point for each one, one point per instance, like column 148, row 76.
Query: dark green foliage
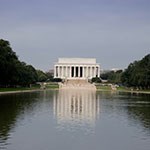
column 57, row 80
column 112, row 77
column 13, row 72
column 27, row 75
column 50, row 76
column 42, row 77
column 96, row 80
column 138, row 74
column 7, row 60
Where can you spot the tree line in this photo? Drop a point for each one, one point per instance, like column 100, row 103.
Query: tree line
column 14, row 72
column 136, row 75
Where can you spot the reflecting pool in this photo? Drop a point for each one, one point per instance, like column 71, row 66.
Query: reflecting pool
column 74, row 120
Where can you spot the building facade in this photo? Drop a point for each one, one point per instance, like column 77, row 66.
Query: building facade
column 76, row 68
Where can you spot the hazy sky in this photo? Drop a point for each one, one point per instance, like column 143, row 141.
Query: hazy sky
column 115, row 32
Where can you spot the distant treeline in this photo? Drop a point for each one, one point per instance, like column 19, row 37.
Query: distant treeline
column 137, row 74
column 14, row 72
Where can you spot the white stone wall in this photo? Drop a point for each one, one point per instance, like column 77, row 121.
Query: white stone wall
column 77, row 60
column 76, row 68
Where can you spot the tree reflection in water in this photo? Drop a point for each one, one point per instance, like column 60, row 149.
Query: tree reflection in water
column 12, row 106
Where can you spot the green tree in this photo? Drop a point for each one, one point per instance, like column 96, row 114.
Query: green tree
column 12, row 71
column 42, row 77
column 138, row 73
column 26, row 74
column 112, row 77
column 8, row 61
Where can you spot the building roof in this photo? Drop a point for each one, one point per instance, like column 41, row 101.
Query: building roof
column 77, row 60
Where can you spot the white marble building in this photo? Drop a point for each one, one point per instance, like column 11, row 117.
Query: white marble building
column 76, row 68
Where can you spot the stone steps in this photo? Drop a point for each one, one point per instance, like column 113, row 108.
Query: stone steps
column 77, row 84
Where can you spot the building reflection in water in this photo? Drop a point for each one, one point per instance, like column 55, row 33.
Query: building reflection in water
column 76, row 107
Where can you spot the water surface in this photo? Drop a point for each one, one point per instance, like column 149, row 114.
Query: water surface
column 74, row 120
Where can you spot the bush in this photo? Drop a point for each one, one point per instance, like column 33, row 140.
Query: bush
column 56, row 80
column 96, row 80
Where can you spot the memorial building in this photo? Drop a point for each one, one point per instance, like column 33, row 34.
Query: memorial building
column 76, row 68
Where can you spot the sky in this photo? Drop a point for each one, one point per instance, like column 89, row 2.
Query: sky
column 115, row 32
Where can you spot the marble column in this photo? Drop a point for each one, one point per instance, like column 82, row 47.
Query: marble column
column 58, row 71
column 94, row 71
column 91, row 72
column 82, row 71
column 61, row 71
column 74, row 71
column 70, row 71
column 87, row 71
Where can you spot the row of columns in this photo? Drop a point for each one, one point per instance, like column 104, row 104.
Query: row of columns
column 74, row 71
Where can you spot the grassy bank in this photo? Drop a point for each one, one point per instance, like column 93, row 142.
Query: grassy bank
column 120, row 89
column 52, row 85
column 16, row 89
column 32, row 88
column 104, row 88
